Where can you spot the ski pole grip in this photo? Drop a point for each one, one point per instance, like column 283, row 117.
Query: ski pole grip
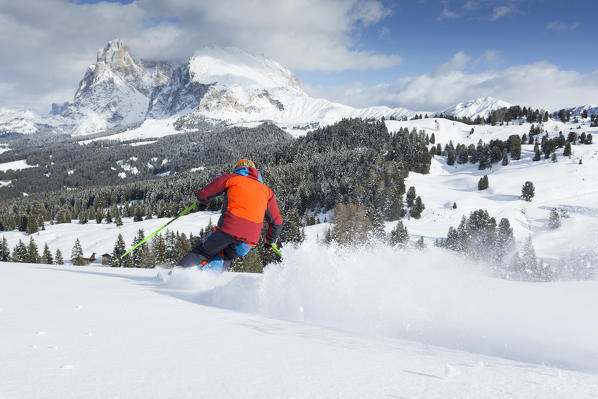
column 276, row 250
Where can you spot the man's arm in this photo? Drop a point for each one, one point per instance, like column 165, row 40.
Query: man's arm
column 274, row 221
column 214, row 189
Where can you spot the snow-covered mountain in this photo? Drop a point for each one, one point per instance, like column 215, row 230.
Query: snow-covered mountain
column 577, row 111
column 217, row 83
column 479, row 107
column 21, row 121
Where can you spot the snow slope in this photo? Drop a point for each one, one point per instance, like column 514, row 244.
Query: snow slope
column 481, row 107
column 566, row 185
column 333, row 328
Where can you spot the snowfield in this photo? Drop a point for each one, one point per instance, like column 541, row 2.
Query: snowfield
column 15, row 165
column 397, row 325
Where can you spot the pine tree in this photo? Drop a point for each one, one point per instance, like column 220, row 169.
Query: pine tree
column 411, row 196
column 505, row 242
column 483, row 183
column 19, row 252
column 417, row 208
column 47, row 257
column 141, row 257
column 378, row 233
column 399, row 235
column 159, row 250
column 138, row 214
column 505, row 158
column 292, row 230
column 182, row 245
column 420, row 244
column 118, row 220
column 98, row 216
column 450, row 160
column 515, row 143
column 58, row 258
column 32, row 252
column 567, row 150
column 527, row 191
column 4, row 251
column 119, row 249
column 77, row 254
column 554, row 220
column 32, row 225
column 529, row 261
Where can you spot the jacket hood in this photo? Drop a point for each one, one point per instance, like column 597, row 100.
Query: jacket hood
column 249, row 172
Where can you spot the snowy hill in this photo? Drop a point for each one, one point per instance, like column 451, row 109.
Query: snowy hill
column 387, row 329
column 479, row 107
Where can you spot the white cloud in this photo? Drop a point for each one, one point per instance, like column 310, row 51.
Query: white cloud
column 47, row 45
column 447, row 13
column 559, row 26
column 502, row 11
column 541, row 85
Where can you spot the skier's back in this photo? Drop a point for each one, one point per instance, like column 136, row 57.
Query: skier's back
column 247, row 200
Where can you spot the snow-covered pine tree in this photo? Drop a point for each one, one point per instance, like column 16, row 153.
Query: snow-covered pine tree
column 159, row 250
column 119, row 250
column 58, row 258
column 4, row 250
column 410, row 196
column 483, row 183
column 292, row 230
column 47, row 257
column 32, row 252
column 505, row 158
column 19, row 252
column 378, row 233
column 528, row 191
column 399, row 235
column 515, row 146
column 529, row 261
column 505, row 242
column 554, row 220
column 77, row 254
column 567, row 150
column 418, row 208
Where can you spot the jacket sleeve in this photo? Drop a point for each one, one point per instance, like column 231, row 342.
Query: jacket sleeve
column 274, row 221
column 214, row 189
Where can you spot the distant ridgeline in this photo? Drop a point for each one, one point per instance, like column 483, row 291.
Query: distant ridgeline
column 517, row 113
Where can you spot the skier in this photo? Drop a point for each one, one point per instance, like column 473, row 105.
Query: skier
column 246, row 201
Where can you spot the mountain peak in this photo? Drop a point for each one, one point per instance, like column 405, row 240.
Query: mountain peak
column 117, row 56
column 233, row 66
column 481, row 107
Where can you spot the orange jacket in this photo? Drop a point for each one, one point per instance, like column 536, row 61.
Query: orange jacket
column 247, row 200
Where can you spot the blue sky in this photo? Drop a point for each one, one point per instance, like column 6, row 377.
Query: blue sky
column 419, row 54
column 530, row 31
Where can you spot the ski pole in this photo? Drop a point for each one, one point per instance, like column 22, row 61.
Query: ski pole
column 183, row 213
column 276, row 250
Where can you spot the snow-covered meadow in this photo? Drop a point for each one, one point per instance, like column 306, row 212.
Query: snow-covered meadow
column 359, row 324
